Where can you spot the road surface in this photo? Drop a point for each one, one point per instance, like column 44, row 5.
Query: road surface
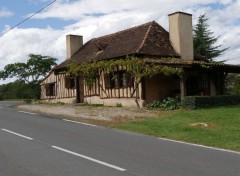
column 34, row 145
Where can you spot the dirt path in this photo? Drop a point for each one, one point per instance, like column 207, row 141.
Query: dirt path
column 106, row 116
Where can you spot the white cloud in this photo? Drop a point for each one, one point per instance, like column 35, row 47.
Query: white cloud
column 66, row 9
column 94, row 18
column 17, row 44
column 5, row 12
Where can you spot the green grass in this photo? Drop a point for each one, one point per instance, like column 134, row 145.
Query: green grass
column 223, row 128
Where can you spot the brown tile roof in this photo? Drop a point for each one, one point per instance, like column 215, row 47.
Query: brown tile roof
column 189, row 64
column 149, row 39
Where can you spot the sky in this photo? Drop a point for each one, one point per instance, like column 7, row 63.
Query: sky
column 45, row 33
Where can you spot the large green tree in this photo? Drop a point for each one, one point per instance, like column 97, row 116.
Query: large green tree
column 204, row 40
column 31, row 72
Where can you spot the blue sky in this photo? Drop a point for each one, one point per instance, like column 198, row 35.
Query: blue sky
column 45, row 33
column 22, row 10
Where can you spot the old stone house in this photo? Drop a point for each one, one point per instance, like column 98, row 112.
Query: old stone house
column 149, row 40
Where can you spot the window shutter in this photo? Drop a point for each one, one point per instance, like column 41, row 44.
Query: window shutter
column 107, row 81
column 117, row 80
column 67, row 82
column 48, row 90
column 129, row 80
column 53, row 93
column 73, row 85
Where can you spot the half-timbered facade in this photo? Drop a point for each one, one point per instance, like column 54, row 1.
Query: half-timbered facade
column 58, row 88
column 113, row 88
column 150, row 41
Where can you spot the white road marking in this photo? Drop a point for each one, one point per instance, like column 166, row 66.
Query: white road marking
column 89, row 158
column 17, row 134
column 203, row 146
column 27, row 112
column 79, row 122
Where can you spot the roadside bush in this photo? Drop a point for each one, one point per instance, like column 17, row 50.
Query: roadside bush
column 167, row 104
column 196, row 102
column 154, row 105
column 119, row 105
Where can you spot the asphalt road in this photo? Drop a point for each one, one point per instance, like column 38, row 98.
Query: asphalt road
column 34, row 145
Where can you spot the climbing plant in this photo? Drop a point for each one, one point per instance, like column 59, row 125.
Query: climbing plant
column 138, row 68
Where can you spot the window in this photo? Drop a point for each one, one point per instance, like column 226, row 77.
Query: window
column 50, row 89
column 102, row 46
column 70, row 82
column 118, row 79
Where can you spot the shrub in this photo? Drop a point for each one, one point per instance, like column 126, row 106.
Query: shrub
column 167, row 104
column 154, row 104
column 60, row 103
column 170, row 104
column 196, row 102
column 119, row 105
column 97, row 105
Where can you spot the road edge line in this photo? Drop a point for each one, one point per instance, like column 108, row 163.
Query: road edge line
column 79, row 122
column 199, row 145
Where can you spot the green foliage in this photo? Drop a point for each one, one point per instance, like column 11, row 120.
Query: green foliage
column 137, row 67
column 155, row 104
column 17, row 90
column 170, row 104
column 232, row 84
column 222, row 128
column 204, row 41
column 31, row 72
column 196, row 102
column 97, row 105
column 58, row 103
column 189, row 102
column 167, row 104
column 119, row 105
column 35, row 68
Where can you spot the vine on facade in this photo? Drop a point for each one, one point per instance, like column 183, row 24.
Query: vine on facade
column 138, row 68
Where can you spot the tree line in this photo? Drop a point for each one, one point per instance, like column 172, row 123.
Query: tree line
column 28, row 76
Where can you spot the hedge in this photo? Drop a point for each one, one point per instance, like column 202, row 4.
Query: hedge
column 196, row 102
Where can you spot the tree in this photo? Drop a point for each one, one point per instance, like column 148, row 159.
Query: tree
column 232, row 84
column 204, row 41
column 16, row 90
column 37, row 66
column 31, row 72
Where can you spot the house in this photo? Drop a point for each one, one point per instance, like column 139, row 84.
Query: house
column 150, row 41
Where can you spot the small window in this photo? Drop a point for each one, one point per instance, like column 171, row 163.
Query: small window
column 129, row 80
column 50, row 89
column 119, row 79
column 102, row 46
column 70, row 82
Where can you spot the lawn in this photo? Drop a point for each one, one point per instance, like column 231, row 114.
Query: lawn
column 217, row 127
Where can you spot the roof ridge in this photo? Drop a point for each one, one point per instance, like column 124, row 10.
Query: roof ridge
column 145, row 37
column 128, row 29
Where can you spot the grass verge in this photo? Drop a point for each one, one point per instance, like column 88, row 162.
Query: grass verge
column 216, row 127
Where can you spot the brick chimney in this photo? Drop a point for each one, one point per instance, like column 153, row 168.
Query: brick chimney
column 74, row 43
column 180, row 32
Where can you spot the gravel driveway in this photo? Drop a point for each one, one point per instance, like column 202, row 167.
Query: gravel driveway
column 97, row 115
